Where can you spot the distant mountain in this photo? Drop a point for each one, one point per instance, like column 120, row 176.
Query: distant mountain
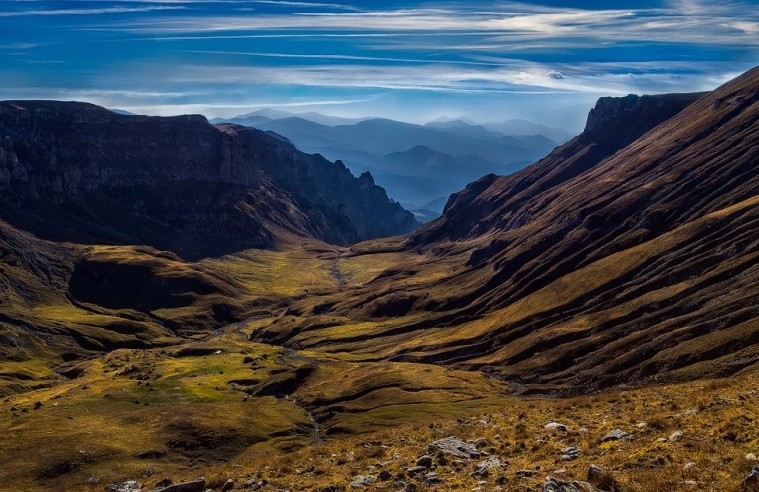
column 448, row 154
column 275, row 114
column 524, row 127
column 627, row 255
column 78, row 172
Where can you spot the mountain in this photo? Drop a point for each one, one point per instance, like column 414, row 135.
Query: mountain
column 524, row 127
column 77, row 172
column 387, row 149
column 620, row 270
column 275, row 114
column 627, row 255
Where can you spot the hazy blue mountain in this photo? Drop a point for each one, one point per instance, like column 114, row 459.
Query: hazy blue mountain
column 416, row 164
column 524, row 127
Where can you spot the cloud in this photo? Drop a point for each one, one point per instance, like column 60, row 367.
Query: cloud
column 97, row 11
column 553, row 74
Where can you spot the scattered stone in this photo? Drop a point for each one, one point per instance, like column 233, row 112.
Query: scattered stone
column 615, row 435
column 689, row 483
column 641, row 425
column 37, row 405
column 125, row 486
column 198, row 485
column 425, row 461
column 228, row 485
column 675, row 436
column 484, row 467
column 751, row 482
column 688, row 466
column 751, row 457
column 385, row 475
column 570, row 453
column 553, row 484
column 556, row 427
column 416, row 470
column 431, row 478
column 455, row 447
column 595, row 473
column 410, row 487
column 363, row 481
column 481, row 443
column 583, row 430
column 92, row 481
column 540, row 443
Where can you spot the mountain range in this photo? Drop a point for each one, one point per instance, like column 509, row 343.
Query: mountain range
column 418, row 165
column 197, row 299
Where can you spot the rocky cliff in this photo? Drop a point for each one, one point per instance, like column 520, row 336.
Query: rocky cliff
column 78, row 172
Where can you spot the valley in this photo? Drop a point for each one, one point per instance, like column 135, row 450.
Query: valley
column 259, row 314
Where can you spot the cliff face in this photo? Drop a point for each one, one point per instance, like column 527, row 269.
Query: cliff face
column 508, row 202
column 75, row 171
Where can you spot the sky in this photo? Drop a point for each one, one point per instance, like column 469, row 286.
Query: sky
column 547, row 61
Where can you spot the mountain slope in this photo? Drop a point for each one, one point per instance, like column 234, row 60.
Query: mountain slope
column 77, row 172
column 628, row 253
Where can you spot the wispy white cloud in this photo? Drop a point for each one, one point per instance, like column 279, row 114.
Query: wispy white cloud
column 326, row 56
column 95, row 11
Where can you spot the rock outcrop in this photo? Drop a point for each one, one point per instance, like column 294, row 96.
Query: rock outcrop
column 78, row 172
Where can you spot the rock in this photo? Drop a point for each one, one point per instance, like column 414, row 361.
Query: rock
column 228, row 485
column 484, row 467
column 425, row 461
column 595, row 473
column 37, row 405
column 363, row 481
column 570, row 453
column 481, row 443
column 125, row 486
column 556, row 427
column 751, row 482
column 675, row 436
column 615, row 435
column 198, row 485
column 553, row 484
column 688, row 466
column 164, row 483
column 455, row 447
column 431, row 478
column 410, row 487
column 751, row 457
column 416, row 470
column 689, row 483
column 385, row 475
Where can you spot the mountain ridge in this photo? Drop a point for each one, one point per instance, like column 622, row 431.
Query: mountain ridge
column 88, row 163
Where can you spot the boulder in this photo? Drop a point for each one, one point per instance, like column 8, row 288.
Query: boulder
column 363, row 481
column 455, row 447
column 751, row 482
column 553, row 484
column 615, row 435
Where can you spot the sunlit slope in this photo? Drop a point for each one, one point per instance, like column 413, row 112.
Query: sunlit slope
column 637, row 264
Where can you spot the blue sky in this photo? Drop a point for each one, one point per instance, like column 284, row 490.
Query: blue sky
column 546, row 61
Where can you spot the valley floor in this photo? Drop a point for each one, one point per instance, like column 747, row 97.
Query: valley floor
column 217, row 408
